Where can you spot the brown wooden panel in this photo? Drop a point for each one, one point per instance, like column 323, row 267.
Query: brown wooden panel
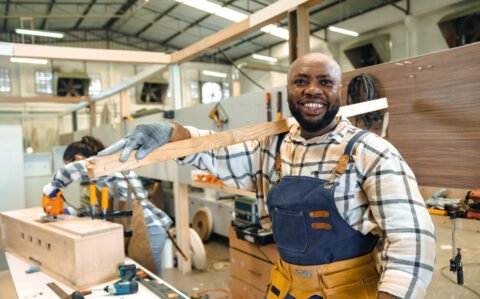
column 434, row 110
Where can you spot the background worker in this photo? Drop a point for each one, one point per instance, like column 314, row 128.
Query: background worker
column 327, row 212
column 157, row 222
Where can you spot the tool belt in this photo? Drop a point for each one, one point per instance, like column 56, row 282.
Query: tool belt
column 354, row 278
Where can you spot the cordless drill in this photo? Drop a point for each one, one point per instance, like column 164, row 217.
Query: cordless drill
column 126, row 284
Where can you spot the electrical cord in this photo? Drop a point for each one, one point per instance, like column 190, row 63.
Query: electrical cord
column 241, row 72
column 362, row 88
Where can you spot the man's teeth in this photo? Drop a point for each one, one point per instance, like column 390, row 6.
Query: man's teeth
column 313, row 105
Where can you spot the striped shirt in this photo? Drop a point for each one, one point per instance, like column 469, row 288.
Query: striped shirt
column 378, row 192
column 117, row 189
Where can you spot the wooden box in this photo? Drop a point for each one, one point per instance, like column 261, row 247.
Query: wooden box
column 80, row 252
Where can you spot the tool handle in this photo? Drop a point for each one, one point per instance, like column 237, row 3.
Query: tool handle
column 104, row 198
column 93, row 194
column 279, row 105
column 269, row 106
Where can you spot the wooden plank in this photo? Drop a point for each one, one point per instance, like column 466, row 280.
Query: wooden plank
column 93, row 115
column 85, row 54
column 223, row 188
column 272, row 13
column 18, row 99
column 180, row 194
column 110, row 164
column 303, row 27
column 215, row 40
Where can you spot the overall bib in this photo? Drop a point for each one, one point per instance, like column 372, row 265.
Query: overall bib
column 321, row 255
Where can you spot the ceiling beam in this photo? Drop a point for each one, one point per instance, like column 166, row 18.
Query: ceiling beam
column 85, row 12
column 7, row 8
column 49, row 10
column 270, row 14
column 191, row 25
column 323, row 27
column 137, row 34
column 121, row 11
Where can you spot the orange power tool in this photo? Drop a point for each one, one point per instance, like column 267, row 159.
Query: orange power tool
column 53, row 206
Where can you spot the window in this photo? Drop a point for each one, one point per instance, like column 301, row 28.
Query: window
column 194, row 90
column 43, row 82
column 95, row 86
column 5, row 85
column 226, row 90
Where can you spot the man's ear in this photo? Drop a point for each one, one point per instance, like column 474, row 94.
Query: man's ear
column 79, row 157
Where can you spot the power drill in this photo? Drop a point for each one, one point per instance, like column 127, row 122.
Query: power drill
column 126, row 284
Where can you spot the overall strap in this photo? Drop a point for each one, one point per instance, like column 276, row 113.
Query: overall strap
column 345, row 158
column 278, row 161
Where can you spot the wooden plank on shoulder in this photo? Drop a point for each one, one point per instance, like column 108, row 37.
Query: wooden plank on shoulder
column 100, row 166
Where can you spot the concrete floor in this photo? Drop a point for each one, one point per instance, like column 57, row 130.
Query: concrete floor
column 443, row 284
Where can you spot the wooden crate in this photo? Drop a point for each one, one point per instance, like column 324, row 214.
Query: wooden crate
column 80, row 252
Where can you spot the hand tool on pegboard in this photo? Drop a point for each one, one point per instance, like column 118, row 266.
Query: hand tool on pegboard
column 279, row 105
column 268, row 103
column 218, row 115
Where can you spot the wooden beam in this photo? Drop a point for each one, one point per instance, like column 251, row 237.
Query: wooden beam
column 110, row 164
column 255, row 21
column 182, row 225
column 18, row 99
column 303, row 33
column 93, row 115
column 82, row 54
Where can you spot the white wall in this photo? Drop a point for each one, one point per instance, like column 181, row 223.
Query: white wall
column 11, row 177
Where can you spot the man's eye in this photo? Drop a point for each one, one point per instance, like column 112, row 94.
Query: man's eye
column 326, row 82
column 300, row 82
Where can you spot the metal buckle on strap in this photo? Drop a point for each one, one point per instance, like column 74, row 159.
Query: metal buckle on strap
column 338, row 170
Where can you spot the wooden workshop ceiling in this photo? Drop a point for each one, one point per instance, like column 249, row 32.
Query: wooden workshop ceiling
column 159, row 25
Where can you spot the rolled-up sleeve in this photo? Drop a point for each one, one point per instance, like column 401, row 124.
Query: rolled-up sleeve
column 397, row 206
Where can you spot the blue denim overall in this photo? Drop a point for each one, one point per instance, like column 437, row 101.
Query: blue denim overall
column 307, row 227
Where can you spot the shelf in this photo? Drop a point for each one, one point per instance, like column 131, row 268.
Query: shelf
column 223, row 188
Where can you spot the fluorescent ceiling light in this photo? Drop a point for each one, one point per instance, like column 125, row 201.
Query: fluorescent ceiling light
column 232, row 15
column 39, row 33
column 277, row 31
column 28, row 60
column 215, row 9
column 215, row 74
column 263, row 57
column 342, row 31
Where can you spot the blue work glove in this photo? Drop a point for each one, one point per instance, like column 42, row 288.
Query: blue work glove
column 145, row 138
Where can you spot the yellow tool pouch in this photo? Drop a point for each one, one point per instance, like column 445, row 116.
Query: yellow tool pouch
column 355, row 278
column 280, row 281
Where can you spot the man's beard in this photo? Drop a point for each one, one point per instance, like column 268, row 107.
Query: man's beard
column 314, row 126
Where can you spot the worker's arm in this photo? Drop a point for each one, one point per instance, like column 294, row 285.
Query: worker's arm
column 408, row 253
column 75, row 171
column 146, row 138
column 235, row 165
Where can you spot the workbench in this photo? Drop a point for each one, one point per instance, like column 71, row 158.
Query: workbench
column 34, row 285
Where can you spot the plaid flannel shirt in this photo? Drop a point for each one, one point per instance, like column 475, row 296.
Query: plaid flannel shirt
column 378, row 193
column 117, row 189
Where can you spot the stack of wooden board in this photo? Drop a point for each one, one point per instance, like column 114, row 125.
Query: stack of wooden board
column 78, row 251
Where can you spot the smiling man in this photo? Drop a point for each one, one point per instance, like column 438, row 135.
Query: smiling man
column 332, row 192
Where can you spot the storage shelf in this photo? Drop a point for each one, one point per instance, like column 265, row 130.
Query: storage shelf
column 223, row 188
